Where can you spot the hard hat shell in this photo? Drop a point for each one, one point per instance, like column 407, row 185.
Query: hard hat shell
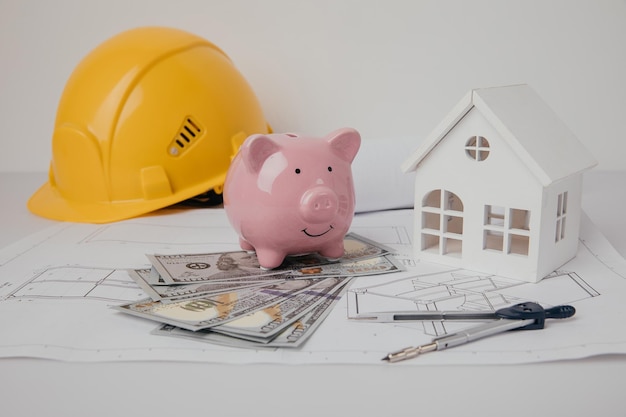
column 149, row 118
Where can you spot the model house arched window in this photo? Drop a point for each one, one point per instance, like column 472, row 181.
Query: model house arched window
column 442, row 223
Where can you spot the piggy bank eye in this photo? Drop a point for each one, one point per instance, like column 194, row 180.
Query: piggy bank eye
column 298, row 170
column 330, row 169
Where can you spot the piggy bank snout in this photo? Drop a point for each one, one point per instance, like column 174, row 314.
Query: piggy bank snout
column 319, row 205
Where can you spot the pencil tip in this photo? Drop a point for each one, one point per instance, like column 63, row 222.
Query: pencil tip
column 386, row 358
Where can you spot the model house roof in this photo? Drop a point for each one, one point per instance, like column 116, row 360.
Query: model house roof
column 529, row 126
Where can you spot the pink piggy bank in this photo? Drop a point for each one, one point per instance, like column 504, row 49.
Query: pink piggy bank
column 287, row 194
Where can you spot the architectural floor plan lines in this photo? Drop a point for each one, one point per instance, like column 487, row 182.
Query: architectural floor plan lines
column 67, row 282
column 464, row 291
column 23, row 247
column 574, row 277
column 74, row 273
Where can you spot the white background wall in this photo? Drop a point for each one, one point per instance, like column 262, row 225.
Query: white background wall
column 391, row 69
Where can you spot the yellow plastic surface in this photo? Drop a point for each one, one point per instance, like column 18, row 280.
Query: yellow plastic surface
column 149, row 118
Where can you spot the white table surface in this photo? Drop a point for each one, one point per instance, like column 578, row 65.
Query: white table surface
column 586, row 387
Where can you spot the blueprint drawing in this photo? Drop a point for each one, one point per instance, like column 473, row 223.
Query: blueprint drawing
column 58, row 288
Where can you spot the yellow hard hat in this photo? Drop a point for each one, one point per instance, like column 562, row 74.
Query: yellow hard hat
column 149, row 118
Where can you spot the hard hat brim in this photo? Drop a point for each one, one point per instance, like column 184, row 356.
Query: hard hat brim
column 47, row 202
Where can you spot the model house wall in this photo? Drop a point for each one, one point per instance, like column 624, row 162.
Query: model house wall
column 498, row 186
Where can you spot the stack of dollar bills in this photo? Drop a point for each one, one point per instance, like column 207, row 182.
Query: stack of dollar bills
column 227, row 298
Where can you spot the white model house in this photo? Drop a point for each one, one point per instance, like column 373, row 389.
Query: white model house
column 498, row 186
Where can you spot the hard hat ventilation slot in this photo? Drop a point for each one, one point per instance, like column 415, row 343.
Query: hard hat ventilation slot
column 189, row 132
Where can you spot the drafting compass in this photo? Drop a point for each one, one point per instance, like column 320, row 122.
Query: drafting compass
column 522, row 316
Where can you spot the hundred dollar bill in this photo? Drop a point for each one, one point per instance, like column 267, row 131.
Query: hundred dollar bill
column 207, row 336
column 356, row 247
column 187, row 268
column 299, row 331
column 371, row 266
column 211, row 310
column 271, row 320
column 359, row 247
column 169, row 293
column 291, row 337
column 153, row 278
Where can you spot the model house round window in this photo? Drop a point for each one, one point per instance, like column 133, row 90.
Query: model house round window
column 477, row 148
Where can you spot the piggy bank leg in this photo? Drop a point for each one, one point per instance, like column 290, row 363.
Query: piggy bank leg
column 269, row 259
column 245, row 245
column 334, row 250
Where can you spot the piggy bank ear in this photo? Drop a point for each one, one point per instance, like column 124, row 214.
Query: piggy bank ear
column 345, row 143
column 256, row 149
